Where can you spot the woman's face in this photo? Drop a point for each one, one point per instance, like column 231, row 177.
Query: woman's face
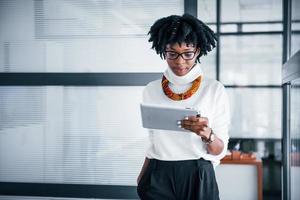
column 181, row 58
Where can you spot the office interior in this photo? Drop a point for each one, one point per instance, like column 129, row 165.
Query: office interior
column 72, row 74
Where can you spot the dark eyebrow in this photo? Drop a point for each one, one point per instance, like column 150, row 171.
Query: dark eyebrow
column 185, row 50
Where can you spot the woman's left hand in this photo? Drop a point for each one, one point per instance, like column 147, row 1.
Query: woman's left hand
column 198, row 125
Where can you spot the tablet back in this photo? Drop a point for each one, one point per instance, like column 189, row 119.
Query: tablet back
column 164, row 118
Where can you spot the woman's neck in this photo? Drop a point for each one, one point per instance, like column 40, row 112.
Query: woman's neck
column 194, row 73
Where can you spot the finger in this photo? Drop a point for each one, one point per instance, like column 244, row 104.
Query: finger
column 190, row 128
column 194, row 128
column 193, row 123
column 187, row 127
column 203, row 119
column 194, row 118
column 200, row 132
column 191, row 118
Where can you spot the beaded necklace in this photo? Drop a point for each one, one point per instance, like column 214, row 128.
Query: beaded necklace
column 185, row 95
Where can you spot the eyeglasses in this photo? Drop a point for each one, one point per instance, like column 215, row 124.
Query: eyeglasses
column 188, row 55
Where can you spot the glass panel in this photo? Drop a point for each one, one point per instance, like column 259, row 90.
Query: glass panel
column 255, row 112
column 255, row 27
column 229, row 28
column 251, row 60
column 251, row 10
column 262, row 27
column 295, row 139
column 102, row 18
column 295, row 26
column 3, row 197
column 295, row 43
column 80, row 36
column 71, row 135
column 208, row 64
column 238, row 13
column 207, row 11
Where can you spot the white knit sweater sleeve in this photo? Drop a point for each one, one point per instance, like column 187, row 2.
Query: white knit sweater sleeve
column 221, row 118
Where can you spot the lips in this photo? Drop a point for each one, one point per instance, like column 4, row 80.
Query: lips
column 180, row 69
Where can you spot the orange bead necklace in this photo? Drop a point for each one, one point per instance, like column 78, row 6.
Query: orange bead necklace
column 185, row 95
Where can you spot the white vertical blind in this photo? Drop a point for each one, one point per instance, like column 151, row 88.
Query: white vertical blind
column 56, row 134
column 85, row 135
column 80, row 36
column 42, row 198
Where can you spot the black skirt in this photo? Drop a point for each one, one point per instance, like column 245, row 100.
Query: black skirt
column 180, row 180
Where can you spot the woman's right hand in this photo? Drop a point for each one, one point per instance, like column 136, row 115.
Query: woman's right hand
column 145, row 165
column 138, row 180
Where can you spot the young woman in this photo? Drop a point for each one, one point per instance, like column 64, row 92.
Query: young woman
column 180, row 165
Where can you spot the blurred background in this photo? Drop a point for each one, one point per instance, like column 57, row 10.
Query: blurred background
column 72, row 75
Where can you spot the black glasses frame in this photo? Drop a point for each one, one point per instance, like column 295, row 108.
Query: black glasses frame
column 181, row 54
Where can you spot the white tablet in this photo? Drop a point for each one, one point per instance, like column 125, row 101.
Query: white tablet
column 164, row 118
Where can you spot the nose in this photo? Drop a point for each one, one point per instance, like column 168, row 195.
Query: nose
column 180, row 60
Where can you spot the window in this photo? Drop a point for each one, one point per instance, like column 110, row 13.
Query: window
column 250, row 65
column 58, row 134
column 80, row 36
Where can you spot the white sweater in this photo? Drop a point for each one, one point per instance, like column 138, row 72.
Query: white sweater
column 212, row 102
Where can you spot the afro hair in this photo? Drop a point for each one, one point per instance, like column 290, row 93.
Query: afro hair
column 181, row 29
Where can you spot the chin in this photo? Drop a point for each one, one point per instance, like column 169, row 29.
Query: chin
column 181, row 73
